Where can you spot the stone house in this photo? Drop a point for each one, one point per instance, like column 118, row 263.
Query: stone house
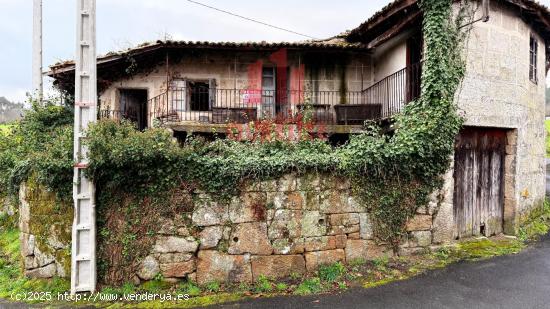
column 368, row 73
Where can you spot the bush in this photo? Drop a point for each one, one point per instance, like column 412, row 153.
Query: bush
column 41, row 143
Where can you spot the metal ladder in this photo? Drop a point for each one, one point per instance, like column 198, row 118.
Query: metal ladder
column 83, row 254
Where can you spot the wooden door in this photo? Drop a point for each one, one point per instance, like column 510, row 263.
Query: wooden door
column 478, row 175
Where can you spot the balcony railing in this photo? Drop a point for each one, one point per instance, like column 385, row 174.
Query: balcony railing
column 217, row 106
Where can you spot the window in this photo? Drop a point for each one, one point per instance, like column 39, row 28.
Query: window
column 193, row 95
column 199, row 95
column 533, row 59
column 268, row 91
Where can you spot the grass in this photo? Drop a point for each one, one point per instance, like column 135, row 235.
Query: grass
column 11, row 278
column 331, row 272
column 536, row 223
column 309, row 286
column 547, row 126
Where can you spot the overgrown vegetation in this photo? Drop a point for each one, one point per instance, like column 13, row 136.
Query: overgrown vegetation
column 392, row 174
column 329, row 278
column 12, row 279
column 40, row 143
column 136, row 172
column 536, row 224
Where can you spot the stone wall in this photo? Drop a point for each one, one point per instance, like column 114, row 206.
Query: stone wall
column 45, row 225
column 274, row 228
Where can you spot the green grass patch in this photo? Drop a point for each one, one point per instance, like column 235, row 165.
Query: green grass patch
column 263, row 285
column 309, row 286
column 536, row 224
column 486, row 248
column 11, row 278
column 332, row 272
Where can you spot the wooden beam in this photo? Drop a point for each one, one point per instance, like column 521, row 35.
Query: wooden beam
column 393, row 31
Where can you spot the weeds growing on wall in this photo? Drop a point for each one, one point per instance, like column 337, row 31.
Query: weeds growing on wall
column 392, row 174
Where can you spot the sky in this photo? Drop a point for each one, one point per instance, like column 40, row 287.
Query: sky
column 126, row 23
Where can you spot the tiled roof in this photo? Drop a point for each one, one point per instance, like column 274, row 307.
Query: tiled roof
column 540, row 13
column 335, row 43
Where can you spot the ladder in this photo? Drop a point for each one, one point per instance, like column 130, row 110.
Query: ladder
column 83, row 257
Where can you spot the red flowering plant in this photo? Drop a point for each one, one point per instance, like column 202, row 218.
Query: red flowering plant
column 286, row 126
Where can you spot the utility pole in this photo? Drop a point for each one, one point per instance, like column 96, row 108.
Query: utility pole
column 83, row 254
column 37, row 87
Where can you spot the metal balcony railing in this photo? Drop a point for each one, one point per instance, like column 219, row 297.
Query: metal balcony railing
column 217, row 106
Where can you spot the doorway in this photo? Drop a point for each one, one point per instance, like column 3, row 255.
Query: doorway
column 133, row 106
column 479, row 182
column 414, row 66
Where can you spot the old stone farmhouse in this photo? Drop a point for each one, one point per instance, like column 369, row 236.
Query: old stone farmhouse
column 368, row 73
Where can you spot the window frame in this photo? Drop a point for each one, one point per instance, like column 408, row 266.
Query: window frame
column 533, row 56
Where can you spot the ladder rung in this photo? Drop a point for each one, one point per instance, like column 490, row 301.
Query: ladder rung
column 82, row 227
column 83, row 257
column 83, row 288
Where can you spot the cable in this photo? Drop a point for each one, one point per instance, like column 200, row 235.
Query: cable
column 252, row 20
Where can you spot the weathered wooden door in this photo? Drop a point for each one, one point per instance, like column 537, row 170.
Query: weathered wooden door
column 478, row 175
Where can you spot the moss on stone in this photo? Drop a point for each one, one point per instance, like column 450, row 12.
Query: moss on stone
column 50, row 219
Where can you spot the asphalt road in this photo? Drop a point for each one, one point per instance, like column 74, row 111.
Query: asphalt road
column 516, row 281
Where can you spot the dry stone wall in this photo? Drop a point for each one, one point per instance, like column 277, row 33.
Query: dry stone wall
column 277, row 228
column 45, row 232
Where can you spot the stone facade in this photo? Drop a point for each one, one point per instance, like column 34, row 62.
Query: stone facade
column 497, row 92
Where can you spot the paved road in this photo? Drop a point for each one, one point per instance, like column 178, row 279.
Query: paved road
column 517, row 281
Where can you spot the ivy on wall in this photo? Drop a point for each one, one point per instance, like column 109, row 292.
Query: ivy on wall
column 392, row 175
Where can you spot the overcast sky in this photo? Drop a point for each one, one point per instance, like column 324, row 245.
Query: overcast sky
column 125, row 23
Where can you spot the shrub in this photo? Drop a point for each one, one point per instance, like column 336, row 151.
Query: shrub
column 332, row 272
